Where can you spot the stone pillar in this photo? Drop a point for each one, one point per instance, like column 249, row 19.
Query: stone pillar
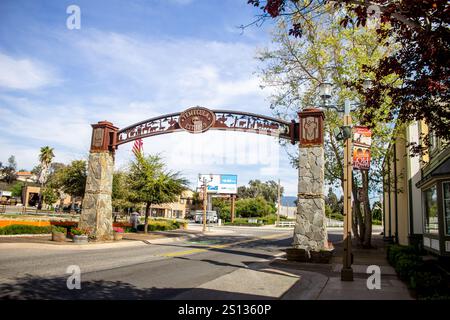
column 96, row 212
column 310, row 232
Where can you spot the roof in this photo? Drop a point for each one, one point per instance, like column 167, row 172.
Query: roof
column 24, row 173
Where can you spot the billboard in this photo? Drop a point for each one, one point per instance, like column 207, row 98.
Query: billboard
column 362, row 139
column 219, row 183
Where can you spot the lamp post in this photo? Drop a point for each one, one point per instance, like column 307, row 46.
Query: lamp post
column 204, row 186
column 345, row 133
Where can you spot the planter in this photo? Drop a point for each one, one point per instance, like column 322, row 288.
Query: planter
column 80, row 239
column 58, row 237
column 300, row 255
column 118, row 236
column 294, row 254
column 321, row 256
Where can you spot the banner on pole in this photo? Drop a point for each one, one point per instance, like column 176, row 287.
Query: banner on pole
column 362, row 139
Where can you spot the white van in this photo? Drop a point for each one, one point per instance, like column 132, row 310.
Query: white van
column 211, row 216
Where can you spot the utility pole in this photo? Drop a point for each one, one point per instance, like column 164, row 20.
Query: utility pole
column 233, row 198
column 279, row 203
column 205, row 200
column 347, row 271
column 204, row 186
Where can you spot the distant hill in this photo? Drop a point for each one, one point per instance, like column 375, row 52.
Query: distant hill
column 288, row 201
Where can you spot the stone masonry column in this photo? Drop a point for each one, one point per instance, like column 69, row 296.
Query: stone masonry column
column 310, row 232
column 97, row 207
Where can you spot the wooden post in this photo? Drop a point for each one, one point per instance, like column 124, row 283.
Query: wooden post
column 233, row 197
column 347, row 271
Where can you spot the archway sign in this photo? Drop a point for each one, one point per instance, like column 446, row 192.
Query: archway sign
column 310, row 231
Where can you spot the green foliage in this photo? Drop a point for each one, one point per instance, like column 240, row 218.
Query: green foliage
column 71, row 179
column 8, row 172
column 79, row 232
column 16, row 190
column 223, row 208
column 160, row 225
column 49, row 195
column 428, row 279
column 149, row 182
column 24, row 229
column 267, row 190
column 57, row 229
column 121, row 192
column 253, row 207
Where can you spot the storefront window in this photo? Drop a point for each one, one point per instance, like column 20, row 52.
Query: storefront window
column 446, row 186
column 431, row 210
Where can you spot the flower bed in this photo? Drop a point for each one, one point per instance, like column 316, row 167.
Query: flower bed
column 24, row 229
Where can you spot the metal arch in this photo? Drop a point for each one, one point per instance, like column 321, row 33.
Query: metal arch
column 225, row 120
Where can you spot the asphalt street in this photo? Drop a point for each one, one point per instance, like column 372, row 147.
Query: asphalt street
column 224, row 265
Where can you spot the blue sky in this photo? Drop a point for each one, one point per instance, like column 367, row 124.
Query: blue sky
column 131, row 61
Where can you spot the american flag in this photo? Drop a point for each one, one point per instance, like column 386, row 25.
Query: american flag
column 138, row 147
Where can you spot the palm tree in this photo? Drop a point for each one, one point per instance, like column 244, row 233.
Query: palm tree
column 45, row 158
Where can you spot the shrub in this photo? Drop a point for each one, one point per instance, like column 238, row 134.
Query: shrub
column 79, row 232
column 59, row 229
column 407, row 264
column 160, row 225
column 394, row 252
column 24, row 229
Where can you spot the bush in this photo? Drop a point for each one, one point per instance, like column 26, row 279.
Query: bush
column 394, row 252
column 407, row 264
column 253, row 207
column 24, row 229
column 161, row 225
column 59, row 229
column 425, row 277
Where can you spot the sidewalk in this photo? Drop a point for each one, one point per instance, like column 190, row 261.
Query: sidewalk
column 323, row 282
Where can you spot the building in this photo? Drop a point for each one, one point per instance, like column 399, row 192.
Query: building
column 177, row 210
column 26, row 176
column 415, row 191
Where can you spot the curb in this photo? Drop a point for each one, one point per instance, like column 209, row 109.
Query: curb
column 25, row 235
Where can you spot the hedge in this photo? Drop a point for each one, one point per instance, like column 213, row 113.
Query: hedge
column 425, row 277
column 24, row 229
column 162, row 225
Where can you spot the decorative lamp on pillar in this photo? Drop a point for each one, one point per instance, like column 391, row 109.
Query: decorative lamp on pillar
column 104, row 136
column 311, row 127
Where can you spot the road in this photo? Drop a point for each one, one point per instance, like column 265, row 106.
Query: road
column 232, row 265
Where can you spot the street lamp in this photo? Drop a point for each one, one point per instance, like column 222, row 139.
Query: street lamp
column 204, row 186
column 345, row 133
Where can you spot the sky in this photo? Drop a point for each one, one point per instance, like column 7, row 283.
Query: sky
column 131, row 61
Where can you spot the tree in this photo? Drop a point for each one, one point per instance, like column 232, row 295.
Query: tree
column 150, row 183
column 268, row 190
column 45, row 158
column 49, row 196
column 16, row 190
column 8, row 172
column 71, row 179
column 329, row 52
column 223, row 207
column 120, row 191
column 254, row 207
column 421, row 60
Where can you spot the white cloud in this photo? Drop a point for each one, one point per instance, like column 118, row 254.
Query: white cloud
column 24, row 74
column 136, row 78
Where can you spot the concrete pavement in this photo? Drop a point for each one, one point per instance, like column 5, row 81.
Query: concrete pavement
column 247, row 263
